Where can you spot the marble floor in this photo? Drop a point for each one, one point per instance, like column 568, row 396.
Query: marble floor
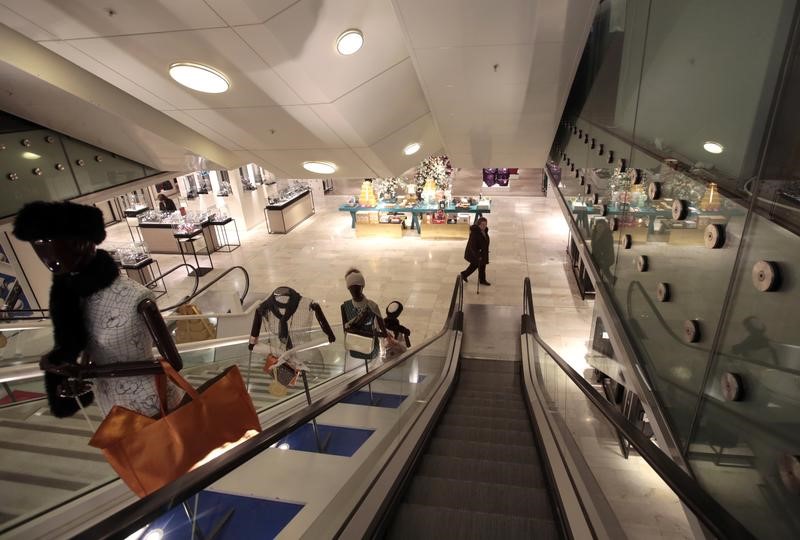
column 528, row 238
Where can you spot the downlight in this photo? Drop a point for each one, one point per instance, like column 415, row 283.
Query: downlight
column 412, row 149
column 319, row 167
column 199, row 77
column 713, row 147
column 350, row 42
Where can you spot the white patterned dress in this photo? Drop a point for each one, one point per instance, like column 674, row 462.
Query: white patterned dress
column 117, row 333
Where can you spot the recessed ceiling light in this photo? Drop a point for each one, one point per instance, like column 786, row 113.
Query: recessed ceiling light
column 30, row 155
column 199, row 77
column 319, row 167
column 713, row 147
column 412, row 148
column 349, row 42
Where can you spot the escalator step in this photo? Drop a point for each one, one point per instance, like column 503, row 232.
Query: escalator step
column 512, row 424
column 434, row 522
column 475, row 434
column 459, row 401
column 489, row 366
column 528, row 502
column 488, row 380
column 512, row 395
column 518, row 413
column 479, row 450
column 482, row 470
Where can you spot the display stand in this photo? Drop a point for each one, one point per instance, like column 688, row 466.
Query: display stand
column 132, row 220
column 220, row 230
column 142, row 272
column 185, row 240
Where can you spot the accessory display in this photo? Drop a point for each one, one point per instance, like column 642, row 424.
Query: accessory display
column 148, row 453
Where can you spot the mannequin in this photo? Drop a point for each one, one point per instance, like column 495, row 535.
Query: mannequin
column 283, row 310
column 107, row 319
column 392, row 322
column 360, row 314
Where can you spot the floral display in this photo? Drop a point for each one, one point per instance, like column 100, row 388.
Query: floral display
column 437, row 168
column 390, row 188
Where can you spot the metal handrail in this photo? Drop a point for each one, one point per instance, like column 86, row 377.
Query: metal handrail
column 195, row 292
column 710, row 512
column 138, row 514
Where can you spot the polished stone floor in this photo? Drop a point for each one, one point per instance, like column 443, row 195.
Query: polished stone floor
column 528, row 238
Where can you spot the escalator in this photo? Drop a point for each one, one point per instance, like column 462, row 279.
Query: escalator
column 461, row 436
column 481, row 474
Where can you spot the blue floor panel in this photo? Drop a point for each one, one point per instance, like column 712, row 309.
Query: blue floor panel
column 251, row 518
column 379, row 399
column 339, row 441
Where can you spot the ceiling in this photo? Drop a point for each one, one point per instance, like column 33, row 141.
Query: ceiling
column 484, row 81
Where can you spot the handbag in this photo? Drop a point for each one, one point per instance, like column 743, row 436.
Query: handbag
column 149, row 453
column 358, row 343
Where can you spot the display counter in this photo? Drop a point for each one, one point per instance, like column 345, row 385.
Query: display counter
column 159, row 237
column 285, row 215
column 419, row 222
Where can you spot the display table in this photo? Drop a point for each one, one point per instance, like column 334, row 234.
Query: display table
column 379, row 230
column 159, row 237
column 132, row 219
column 415, row 211
column 192, row 243
column 285, row 215
column 142, row 272
column 221, row 238
column 445, row 230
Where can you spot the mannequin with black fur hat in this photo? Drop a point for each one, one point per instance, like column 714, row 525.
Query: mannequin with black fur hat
column 96, row 313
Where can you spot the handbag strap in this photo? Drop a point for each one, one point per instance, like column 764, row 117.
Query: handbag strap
column 170, row 372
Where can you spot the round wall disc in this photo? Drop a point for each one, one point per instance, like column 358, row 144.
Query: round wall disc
column 596, row 198
column 613, row 223
column 627, row 241
column 691, row 330
column 588, row 188
column 603, row 209
column 680, row 209
column 731, row 386
column 663, row 292
column 654, row 191
column 642, row 263
column 789, row 470
column 766, row 276
column 714, row 236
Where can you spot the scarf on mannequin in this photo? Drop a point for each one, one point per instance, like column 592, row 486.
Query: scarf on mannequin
column 283, row 312
column 70, row 334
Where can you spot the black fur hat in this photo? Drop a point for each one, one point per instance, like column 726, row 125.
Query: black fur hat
column 51, row 220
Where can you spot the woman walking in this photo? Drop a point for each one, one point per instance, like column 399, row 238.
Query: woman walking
column 477, row 252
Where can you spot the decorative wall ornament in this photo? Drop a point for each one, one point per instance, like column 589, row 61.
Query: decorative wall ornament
column 691, row 330
column 663, row 292
column 680, row 209
column 731, row 386
column 642, row 263
column 766, row 276
column 714, row 236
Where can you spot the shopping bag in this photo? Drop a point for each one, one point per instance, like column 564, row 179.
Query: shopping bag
column 149, row 453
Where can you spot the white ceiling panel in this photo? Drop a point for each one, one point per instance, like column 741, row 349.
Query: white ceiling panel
column 300, row 44
column 461, row 23
column 203, row 129
column 390, row 149
column 146, row 60
column 459, row 66
column 79, row 58
column 270, row 128
column 239, row 12
column 382, row 105
column 563, row 21
column 26, row 27
column 249, row 157
column 348, row 164
column 70, row 19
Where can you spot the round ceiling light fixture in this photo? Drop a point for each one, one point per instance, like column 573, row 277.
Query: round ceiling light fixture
column 319, row 167
column 199, row 77
column 30, row 155
column 713, row 147
column 349, row 42
column 412, row 149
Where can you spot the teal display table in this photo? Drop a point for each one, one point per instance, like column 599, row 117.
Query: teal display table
column 415, row 211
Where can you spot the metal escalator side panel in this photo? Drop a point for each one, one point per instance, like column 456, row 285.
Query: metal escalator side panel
column 583, row 509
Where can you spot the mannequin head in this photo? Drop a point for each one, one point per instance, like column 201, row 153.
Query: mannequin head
column 355, row 283
column 63, row 234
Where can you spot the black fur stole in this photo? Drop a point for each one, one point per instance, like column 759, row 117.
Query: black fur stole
column 69, row 327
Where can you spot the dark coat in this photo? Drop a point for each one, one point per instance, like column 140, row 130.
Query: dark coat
column 167, row 205
column 477, row 251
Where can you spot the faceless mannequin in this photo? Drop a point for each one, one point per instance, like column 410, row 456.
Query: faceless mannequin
column 284, row 309
column 109, row 321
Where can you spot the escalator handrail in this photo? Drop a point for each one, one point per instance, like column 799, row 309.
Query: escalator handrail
column 710, row 512
column 138, row 514
column 197, row 292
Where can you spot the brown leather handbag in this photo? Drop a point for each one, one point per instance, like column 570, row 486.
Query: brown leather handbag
column 149, row 453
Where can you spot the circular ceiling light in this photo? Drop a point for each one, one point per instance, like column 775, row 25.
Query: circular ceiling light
column 30, row 155
column 412, row 148
column 349, row 42
column 199, row 77
column 713, row 147
column 319, row 167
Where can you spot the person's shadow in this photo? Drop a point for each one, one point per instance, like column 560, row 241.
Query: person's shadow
column 756, row 341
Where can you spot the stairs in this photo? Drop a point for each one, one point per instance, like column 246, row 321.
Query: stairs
column 480, row 476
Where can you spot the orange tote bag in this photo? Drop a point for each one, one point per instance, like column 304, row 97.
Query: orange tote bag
column 148, row 453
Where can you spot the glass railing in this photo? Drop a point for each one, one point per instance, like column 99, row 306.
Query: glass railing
column 595, row 427
column 365, row 420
